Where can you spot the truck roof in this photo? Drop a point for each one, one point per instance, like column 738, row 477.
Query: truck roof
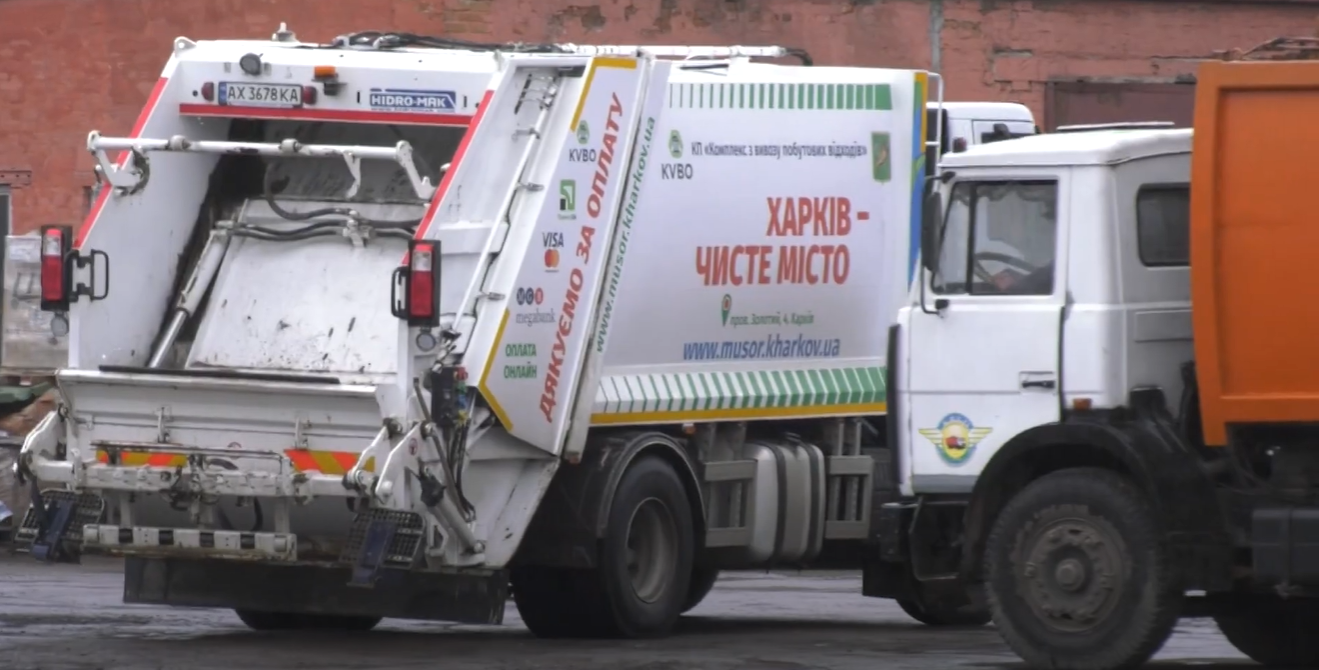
column 1005, row 111
column 1098, row 147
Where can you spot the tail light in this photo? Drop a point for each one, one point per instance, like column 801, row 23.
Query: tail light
column 55, row 275
column 415, row 293
column 308, row 95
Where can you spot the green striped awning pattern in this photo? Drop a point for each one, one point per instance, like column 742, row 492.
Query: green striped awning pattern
column 877, row 97
column 747, row 394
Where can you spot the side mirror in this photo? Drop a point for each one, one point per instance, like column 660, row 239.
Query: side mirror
column 931, row 222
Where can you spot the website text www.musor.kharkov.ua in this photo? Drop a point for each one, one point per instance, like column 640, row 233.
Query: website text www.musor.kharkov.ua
column 772, row 346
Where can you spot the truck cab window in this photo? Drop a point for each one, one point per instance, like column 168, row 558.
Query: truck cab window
column 1163, row 225
column 999, row 239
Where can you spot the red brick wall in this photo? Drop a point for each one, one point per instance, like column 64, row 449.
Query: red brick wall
column 70, row 66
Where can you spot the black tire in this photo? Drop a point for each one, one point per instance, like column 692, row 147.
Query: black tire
column 1275, row 633
column 557, row 602
column 1045, row 547
column 273, row 621
column 703, row 580
column 607, row 601
column 265, row 621
column 343, row 622
column 942, row 613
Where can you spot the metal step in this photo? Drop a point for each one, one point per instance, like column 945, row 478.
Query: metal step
column 381, row 538
column 65, row 513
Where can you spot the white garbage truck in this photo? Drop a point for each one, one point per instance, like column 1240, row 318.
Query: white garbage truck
column 391, row 326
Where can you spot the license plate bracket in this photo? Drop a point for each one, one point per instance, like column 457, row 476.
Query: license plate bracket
column 249, row 94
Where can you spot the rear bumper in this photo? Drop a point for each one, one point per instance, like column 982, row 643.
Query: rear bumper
column 189, row 543
column 474, row 597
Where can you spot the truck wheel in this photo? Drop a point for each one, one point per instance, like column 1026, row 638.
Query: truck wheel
column 1275, row 634
column 270, row 621
column 940, row 613
column 557, row 602
column 643, row 573
column 1078, row 576
column 702, row 583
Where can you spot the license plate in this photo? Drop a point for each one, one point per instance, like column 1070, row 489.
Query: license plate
column 260, row 95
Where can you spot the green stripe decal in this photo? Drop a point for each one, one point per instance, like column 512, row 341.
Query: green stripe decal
column 823, row 390
column 866, row 97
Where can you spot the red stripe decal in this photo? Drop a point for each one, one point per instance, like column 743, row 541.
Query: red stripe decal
column 138, row 126
column 453, row 167
column 346, row 460
column 305, row 114
column 302, row 460
column 160, row 460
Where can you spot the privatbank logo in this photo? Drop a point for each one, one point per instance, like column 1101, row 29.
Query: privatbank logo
column 567, row 198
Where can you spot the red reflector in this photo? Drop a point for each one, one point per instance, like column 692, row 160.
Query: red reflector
column 421, row 302
column 208, row 91
column 308, row 95
column 959, row 145
column 52, row 266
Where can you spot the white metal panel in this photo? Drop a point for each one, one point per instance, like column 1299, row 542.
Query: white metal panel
column 319, row 305
column 531, row 375
column 431, row 87
column 143, row 235
column 770, row 247
column 985, row 367
column 1097, row 147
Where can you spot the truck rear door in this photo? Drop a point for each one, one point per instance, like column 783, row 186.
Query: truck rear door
column 983, row 353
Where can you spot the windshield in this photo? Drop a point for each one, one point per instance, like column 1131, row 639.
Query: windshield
column 998, row 238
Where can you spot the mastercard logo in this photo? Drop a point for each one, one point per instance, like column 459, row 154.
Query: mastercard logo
column 551, row 258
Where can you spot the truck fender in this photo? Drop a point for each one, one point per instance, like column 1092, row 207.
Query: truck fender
column 574, row 513
column 622, row 450
column 1144, row 449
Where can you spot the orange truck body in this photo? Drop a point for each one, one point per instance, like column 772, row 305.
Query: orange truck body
column 1255, row 244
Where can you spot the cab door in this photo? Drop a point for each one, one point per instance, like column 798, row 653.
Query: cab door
column 983, row 350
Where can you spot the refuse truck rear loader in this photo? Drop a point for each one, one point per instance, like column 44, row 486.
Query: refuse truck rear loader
column 389, row 326
column 1105, row 389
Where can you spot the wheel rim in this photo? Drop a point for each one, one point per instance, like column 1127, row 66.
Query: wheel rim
column 1073, row 573
column 652, row 549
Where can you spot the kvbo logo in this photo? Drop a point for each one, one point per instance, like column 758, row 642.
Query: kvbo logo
column 530, row 296
column 552, row 241
column 583, row 155
column 677, row 171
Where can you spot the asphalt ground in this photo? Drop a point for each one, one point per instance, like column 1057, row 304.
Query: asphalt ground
column 69, row 617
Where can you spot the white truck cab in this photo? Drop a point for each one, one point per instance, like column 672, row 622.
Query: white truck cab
column 1060, row 280
column 1054, row 282
column 967, row 124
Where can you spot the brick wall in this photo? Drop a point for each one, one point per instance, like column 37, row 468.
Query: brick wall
column 70, row 66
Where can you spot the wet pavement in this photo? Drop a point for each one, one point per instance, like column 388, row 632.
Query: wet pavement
column 68, row 617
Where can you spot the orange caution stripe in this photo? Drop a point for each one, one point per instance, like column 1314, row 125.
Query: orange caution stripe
column 304, row 460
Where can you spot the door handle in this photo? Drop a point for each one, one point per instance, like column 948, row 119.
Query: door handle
column 1038, row 384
